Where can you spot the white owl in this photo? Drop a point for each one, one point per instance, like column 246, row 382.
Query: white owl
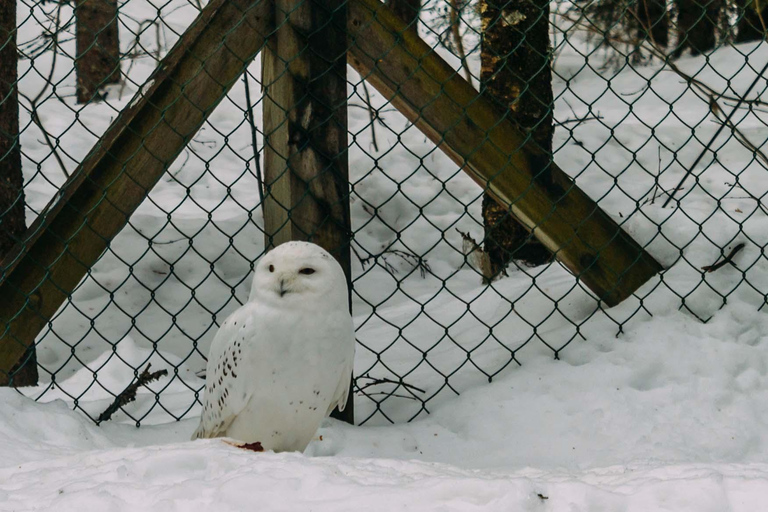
column 283, row 361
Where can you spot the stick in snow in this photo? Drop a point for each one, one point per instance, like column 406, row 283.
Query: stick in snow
column 129, row 394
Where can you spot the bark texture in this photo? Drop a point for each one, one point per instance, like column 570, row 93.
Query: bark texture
column 306, row 170
column 97, row 61
column 12, row 224
column 516, row 74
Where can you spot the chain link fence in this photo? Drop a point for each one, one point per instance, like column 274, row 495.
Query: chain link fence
column 654, row 110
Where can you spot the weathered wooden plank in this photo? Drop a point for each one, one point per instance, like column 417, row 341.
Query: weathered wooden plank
column 95, row 204
column 12, row 218
column 473, row 132
column 69, row 236
column 304, row 75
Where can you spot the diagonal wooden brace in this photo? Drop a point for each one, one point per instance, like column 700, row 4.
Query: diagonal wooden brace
column 96, row 202
column 471, row 130
column 60, row 247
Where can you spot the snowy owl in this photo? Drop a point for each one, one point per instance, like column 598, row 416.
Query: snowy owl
column 283, row 361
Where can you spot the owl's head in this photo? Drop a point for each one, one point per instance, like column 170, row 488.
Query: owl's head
column 299, row 272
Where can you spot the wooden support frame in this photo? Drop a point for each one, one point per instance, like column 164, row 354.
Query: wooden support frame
column 60, row 247
column 475, row 135
column 96, row 202
column 306, row 172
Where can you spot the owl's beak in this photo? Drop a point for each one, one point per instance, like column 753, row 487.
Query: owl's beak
column 283, row 291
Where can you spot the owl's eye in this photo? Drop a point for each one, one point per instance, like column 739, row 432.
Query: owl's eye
column 271, row 268
column 307, row 271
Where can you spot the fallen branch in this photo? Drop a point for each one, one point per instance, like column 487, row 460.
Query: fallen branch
column 725, row 261
column 579, row 120
column 384, row 380
column 129, row 394
column 414, row 260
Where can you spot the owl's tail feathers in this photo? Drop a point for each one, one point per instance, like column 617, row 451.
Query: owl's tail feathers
column 206, row 430
column 199, row 432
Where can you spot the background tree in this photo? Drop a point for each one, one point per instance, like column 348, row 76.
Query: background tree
column 12, row 225
column 97, row 60
column 698, row 24
column 652, row 21
column 750, row 25
column 630, row 21
column 516, row 72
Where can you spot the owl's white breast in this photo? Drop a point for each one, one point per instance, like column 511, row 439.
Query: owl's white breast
column 294, row 361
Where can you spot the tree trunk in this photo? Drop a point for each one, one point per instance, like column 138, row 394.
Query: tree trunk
column 654, row 21
column 516, row 73
column 697, row 23
column 97, row 60
column 408, row 11
column 12, row 225
column 749, row 26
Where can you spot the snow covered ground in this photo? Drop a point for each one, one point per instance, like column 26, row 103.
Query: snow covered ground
column 668, row 415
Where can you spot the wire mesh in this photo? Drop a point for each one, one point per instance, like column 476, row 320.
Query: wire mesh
column 652, row 108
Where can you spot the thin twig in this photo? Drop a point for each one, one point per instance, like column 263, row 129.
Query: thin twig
column 254, row 141
column 724, row 261
column 738, row 134
column 392, row 395
column 373, row 115
column 456, row 33
column 579, row 120
column 384, row 380
column 703, row 91
column 33, row 102
column 410, row 258
column 717, row 133
column 750, row 195
column 129, row 394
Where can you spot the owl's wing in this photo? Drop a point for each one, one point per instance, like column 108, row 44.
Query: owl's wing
column 342, row 390
column 226, row 388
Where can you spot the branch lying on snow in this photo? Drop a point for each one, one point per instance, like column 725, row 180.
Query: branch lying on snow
column 414, row 260
column 129, row 394
column 725, row 261
column 398, row 383
column 384, row 380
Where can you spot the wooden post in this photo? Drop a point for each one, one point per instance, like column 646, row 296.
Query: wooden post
column 495, row 153
column 305, row 130
column 12, row 223
column 96, row 202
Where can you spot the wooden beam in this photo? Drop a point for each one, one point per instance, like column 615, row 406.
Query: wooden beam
column 40, row 273
column 306, row 173
column 97, row 201
column 475, row 134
